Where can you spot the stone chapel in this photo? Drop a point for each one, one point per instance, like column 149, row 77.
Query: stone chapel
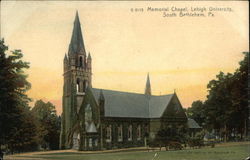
column 98, row 119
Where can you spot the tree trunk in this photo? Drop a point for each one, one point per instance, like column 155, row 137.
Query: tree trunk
column 145, row 141
column 225, row 133
column 245, row 129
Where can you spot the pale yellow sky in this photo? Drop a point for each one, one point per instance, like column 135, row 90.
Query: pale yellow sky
column 181, row 53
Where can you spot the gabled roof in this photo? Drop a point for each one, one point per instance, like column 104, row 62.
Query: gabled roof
column 193, row 124
column 158, row 105
column 125, row 104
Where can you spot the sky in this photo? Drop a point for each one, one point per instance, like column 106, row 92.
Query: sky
column 179, row 53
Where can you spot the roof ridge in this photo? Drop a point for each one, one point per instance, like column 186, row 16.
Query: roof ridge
column 133, row 92
column 127, row 104
column 118, row 91
column 171, row 94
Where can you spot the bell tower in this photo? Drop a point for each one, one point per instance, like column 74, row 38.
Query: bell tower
column 77, row 76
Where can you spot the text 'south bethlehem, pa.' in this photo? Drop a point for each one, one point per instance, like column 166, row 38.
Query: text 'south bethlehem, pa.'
column 175, row 11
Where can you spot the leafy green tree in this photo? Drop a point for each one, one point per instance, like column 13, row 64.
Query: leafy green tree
column 16, row 125
column 239, row 118
column 24, row 137
column 219, row 106
column 226, row 105
column 196, row 112
column 48, row 123
column 173, row 132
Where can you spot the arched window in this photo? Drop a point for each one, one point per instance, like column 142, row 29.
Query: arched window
column 90, row 142
column 96, row 142
column 80, row 62
column 120, row 136
column 146, row 131
column 130, row 133
column 139, row 132
column 78, row 85
column 84, row 85
column 108, row 134
column 88, row 113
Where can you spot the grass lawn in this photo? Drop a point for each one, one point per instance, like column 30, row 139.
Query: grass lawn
column 234, row 152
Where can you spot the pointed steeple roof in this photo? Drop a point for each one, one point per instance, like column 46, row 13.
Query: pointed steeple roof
column 76, row 44
column 148, row 86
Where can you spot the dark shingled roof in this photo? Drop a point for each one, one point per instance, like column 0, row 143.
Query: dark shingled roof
column 125, row 104
column 158, row 104
column 192, row 123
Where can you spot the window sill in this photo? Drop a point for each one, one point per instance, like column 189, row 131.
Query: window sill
column 80, row 93
column 119, row 140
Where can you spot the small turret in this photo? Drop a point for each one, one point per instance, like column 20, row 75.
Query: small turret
column 65, row 62
column 89, row 59
column 148, row 86
column 89, row 56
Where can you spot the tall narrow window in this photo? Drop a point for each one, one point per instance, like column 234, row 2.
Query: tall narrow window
column 146, row 131
column 108, row 133
column 130, row 133
column 120, row 136
column 96, row 142
column 80, row 62
column 84, row 85
column 90, row 142
column 139, row 132
column 88, row 114
column 78, row 85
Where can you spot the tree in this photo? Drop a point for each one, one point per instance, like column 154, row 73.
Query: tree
column 174, row 132
column 24, row 138
column 226, row 105
column 196, row 112
column 48, row 123
column 15, row 121
column 240, row 97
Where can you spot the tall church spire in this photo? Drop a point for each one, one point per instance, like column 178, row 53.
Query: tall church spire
column 148, row 86
column 76, row 45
